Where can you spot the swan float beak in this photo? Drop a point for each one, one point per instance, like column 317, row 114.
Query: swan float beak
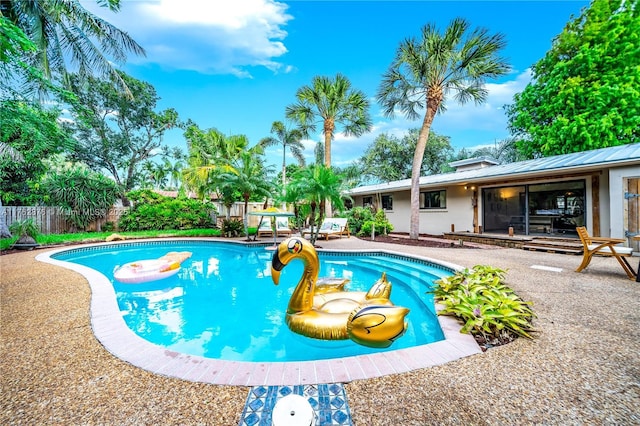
column 286, row 251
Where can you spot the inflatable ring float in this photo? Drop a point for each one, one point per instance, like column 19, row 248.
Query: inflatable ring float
column 368, row 318
column 143, row 271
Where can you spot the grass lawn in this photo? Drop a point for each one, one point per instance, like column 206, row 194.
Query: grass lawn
column 94, row 237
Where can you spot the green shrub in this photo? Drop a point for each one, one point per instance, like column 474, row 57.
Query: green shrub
column 152, row 211
column 382, row 225
column 83, row 195
column 485, row 304
column 232, row 228
column 26, row 230
column 357, row 216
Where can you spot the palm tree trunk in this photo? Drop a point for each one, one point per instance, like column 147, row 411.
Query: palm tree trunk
column 418, row 155
column 328, row 133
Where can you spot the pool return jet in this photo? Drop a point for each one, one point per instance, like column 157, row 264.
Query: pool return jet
column 330, row 313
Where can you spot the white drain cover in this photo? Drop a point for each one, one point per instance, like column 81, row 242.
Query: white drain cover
column 292, row 410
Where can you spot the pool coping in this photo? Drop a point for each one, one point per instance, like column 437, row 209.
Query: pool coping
column 112, row 332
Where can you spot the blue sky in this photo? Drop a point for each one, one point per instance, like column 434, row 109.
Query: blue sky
column 236, row 64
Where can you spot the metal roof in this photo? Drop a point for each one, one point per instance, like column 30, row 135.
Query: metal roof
column 577, row 162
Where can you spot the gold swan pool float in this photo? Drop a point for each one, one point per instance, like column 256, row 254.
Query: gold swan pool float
column 368, row 318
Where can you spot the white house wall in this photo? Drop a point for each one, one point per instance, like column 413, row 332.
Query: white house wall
column 459, row 212
column 616, row 195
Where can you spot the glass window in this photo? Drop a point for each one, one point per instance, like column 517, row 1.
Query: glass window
column 433, row 200
column 387, row 202
column 367, row 201
column 538, row 209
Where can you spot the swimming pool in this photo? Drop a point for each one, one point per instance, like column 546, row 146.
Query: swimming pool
column 224, row 305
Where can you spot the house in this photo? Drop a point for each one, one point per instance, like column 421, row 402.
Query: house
column 546, row 196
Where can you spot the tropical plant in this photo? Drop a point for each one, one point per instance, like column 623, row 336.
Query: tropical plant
column 378, row 225
column 357, row 216
column 7, row 152
column 504, row 151
column 232, row 228
column 152, row 211
column 426, row 70
column 318, row 185
column 489, row 309
column 27, row 231
column 117, row 133
column 585, row 92
column 83, row 195
column 211, row 154
column 65, row 34
column 288, row 138
column 332, row 102
column 249, row 178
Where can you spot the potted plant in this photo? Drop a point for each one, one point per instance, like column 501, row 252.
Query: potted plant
column 27, row 231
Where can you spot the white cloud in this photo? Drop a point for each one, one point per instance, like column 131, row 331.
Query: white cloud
column 218, row 37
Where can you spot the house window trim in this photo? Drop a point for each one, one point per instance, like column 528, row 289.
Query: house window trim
column 383, row 203
column 435, row 208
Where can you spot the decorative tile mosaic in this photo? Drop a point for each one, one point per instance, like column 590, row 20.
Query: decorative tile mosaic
column 329, row 403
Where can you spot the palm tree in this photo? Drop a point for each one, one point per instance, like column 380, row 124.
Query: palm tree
column 320, row 185
column 249, row 178
column 288, row 139
column 426, row 70
column 332, row 102
column 65, row 33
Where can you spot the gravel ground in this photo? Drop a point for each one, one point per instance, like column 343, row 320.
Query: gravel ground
column 583, row 367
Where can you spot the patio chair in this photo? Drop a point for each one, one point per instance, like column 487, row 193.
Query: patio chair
column 600, row 246
column 335, row 226
column 282, row 226
column 265, row 227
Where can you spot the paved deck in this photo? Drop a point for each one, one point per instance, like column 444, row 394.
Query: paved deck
column 583, row 367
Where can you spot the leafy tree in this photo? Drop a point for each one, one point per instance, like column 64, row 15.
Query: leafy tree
column 66, row 34
column 33, row 132
column 7, row 152
column 332, row 102
column 288, row 138
column 390, row 158
column 84, row 195
column 118, row 133
column 424, row 71
column 585, row 92
column 318, row 184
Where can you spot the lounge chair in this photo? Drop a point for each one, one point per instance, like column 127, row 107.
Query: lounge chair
column 265, row 227
column 282, row 227
column 604, row 247
column 335, row 226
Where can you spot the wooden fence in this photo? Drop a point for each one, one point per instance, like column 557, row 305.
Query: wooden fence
column 52, row 220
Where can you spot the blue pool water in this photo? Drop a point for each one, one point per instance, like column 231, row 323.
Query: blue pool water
column 224, row 305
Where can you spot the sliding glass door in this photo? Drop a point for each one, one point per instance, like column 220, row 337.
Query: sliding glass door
column 540, row 209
